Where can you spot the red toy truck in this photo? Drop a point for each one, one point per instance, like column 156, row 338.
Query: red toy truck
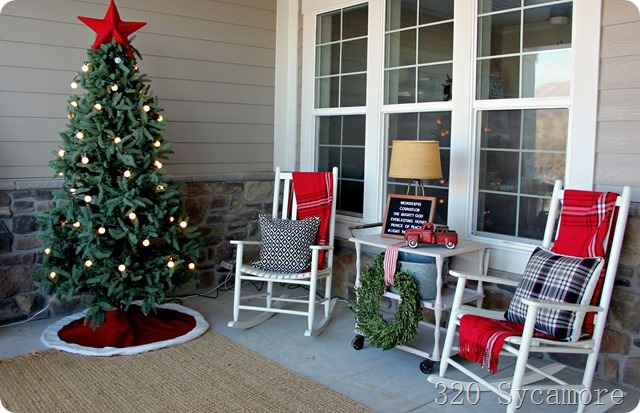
column 430, row 234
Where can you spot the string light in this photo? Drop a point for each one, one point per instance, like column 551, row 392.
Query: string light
column 171, row 264
column 121, row 267
column 85, row 160
column 146, row 243
column 80, row 135
column 61, row 153
column 72, row 190
column 114, row 88
column 76, row 224
column 192, row 266
column 183, row 224
column 160, row 118
column 85, row 68
column 158, row 164
column 52, row 275
column 47, row 251
column 60, row 173
column 160, row 188
column 87, row 199
column 71, row 116
column 97, row 106
column 118, row 60
column 157, row 144
column 127, row 174
column 74, row 85
column 171, row 219
column 102, row 230
column 117, row 140
column 74, row 103
column 63, row 223
column 132, row 216
column 88, row 263
column 146, row 108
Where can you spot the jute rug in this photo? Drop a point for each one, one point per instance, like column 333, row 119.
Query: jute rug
column 208, row 374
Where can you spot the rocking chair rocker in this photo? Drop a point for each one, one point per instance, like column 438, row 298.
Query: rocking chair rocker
column 534, row 316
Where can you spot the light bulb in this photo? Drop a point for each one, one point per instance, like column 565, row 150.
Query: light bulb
column 146, row 243
column 157, row 144
column 61, row 153
column 85, row 68
column 102, row 230
column 87, row 199
column 71, row 116
column 171, row 219
column 171, row 264
column 192, row 266
column 114, row 88
column 146, row 108
column 60, row 173
column 158, row 164
column 74, row 103
column 63, row 223
column 72, row 190
column 183, row 224
column 47, row 251
column 117, row 140
column 52, row 275
column 132, row 216
column 88, row 263
column 97, row 106
column 80, row 135
column 121, row 267
column 85, row 160
column 118, row 60
column 127, row 174
column 160, row 188
column 76, row 224
column 160, row 118
column 74, row 85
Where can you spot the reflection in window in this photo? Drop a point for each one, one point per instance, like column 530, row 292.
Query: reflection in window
column 522, row 153
column 341, row 58
column 524, row 49
column 341, row 143
column 418, row 51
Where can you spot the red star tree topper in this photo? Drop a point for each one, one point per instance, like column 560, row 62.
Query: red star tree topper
column 111, row 27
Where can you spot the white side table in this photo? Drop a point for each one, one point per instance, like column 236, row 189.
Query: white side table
column 470, row 256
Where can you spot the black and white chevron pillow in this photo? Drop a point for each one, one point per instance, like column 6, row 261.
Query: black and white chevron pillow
column 285, row 243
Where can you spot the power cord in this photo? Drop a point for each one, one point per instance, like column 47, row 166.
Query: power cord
column 32, row 316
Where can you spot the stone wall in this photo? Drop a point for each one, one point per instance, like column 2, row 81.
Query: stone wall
column 226, row 207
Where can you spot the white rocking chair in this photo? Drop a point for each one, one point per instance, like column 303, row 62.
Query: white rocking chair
column 309, row 278
column 520, row 346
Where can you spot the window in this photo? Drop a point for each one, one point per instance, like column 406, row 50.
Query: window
column 507, row 87
column 524, row 59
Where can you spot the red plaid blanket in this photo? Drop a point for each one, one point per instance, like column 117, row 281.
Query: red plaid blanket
column 314, row 194
column 584, row 224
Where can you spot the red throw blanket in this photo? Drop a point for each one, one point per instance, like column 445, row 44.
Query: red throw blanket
column 481, row 339
column 584, row 223
column 314, row 194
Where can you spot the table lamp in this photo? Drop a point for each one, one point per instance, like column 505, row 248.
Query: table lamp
column 415, row 160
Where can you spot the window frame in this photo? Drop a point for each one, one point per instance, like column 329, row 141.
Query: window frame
column 582, row 103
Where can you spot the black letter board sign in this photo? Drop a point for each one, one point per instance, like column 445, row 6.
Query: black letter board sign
column 406, row 211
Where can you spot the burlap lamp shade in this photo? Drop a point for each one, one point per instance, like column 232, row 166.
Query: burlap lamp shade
column 415, row 160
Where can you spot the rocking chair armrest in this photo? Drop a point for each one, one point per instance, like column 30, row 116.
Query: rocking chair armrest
column 483, row 278
column 554, row 305
column 321, row 247
column 245, row 242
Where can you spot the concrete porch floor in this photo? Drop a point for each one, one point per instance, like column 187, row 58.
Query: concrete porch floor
column 386, row 381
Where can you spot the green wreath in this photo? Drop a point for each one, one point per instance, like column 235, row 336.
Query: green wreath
column 380, row 332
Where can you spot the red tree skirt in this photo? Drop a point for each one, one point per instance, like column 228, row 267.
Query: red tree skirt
column 129, row 332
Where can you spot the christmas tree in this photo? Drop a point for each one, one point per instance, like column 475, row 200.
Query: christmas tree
column 117, row 233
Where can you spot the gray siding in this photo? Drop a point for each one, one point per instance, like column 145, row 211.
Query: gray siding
column 618, row 140
column 211, row 64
